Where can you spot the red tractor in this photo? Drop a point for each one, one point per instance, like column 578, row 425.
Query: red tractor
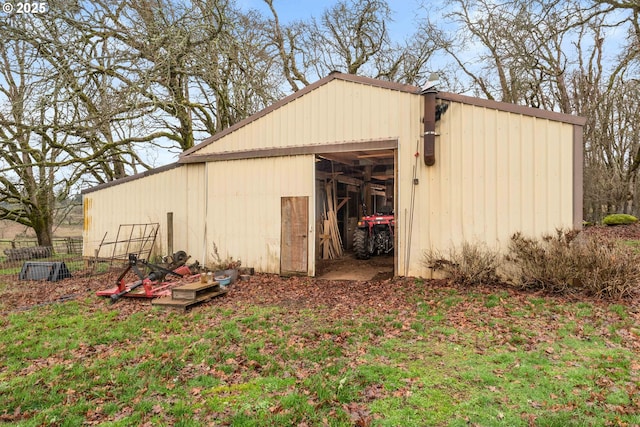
column 374, row 235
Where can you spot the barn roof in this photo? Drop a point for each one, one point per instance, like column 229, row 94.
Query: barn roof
column 119, row 181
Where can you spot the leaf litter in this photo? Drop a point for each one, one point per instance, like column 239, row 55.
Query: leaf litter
column 517, row 321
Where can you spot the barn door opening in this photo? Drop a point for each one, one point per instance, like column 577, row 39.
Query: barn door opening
column 293, row 235
column 349, row 185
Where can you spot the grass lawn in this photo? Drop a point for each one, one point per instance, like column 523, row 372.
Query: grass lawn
column 303, row 352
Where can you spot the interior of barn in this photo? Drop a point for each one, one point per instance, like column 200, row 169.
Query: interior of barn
column 350, row 185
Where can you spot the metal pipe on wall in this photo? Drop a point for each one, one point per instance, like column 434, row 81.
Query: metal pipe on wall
column 430, row 127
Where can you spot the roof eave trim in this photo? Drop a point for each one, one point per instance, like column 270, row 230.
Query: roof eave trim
column 297, row 150
column 131, row 178
column 513, row 108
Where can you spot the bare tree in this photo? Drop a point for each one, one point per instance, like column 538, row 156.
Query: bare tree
column 511, row 51
column 556, row 55
column 612, row 136
column 237, row 75
column 349, row 34
column 148, row 45
column 182, row 61
column 287, row 39
column 352, row 37
column 407, row 62
column 90, row 87
column 633, row 8
column 57, row 122
column 31, row 156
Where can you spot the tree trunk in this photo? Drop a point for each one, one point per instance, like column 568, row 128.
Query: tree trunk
column 44, row 233
column 630, row 202
column 45, row 237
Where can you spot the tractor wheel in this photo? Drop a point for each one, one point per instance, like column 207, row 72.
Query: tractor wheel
column 361, row 243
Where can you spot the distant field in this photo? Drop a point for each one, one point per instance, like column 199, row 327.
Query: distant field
column 70, row 227
column 10, row 231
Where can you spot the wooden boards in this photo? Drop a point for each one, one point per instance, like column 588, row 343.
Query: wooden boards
column 294, row 231
column 193, row 290
column 331, row 241
column 185, row 296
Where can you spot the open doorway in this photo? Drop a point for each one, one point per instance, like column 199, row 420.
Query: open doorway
column 349, row 186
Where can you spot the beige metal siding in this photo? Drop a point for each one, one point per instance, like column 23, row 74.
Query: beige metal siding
column 244, row 206
column 148, row 200
column 338, row 112
column 496, row 173
column 335, row 112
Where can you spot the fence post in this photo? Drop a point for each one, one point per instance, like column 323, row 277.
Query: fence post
column 170, row 233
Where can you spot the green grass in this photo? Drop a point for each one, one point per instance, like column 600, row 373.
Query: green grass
column 634, row 244
column 446, row 358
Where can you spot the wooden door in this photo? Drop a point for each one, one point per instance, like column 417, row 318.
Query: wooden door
column 294, row 235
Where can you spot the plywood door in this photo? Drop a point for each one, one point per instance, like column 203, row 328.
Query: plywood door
column 293, row 237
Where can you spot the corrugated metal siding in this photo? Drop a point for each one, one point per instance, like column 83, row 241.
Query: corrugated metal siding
column 496, row 173
column 148, row 200
column 243, row 213
column 336, row 112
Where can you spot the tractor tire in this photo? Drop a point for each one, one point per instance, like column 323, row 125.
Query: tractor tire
column 361, row 244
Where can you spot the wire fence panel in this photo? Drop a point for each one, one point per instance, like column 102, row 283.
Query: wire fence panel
column 131, row 238
column 14, row 253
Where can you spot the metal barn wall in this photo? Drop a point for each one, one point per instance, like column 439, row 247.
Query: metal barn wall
column 339, row 111
column 496, row 173
column 148, row 199
column 334, row 113
column 244, row 203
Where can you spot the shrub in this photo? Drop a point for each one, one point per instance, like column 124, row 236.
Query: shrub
column 470, row 265
column 568, row 261
column 564, row 263
column 609, row 269
column 218, row 264
column 548, row 263
column 619, row 219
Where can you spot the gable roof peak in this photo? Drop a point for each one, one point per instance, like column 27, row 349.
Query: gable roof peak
column 333, row 75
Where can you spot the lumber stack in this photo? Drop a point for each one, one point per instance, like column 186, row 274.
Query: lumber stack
column 331, row 242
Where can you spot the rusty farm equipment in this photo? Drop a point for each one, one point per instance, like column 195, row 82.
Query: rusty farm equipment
column 158, row 282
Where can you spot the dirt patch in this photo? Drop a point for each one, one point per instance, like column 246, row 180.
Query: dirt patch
column 294, row 292
column 350, row 268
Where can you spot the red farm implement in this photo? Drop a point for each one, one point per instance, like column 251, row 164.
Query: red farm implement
column 158, row 282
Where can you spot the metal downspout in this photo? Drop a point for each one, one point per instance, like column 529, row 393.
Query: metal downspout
column 430, row 127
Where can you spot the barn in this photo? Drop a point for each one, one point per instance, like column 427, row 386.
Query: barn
column 453, row 168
